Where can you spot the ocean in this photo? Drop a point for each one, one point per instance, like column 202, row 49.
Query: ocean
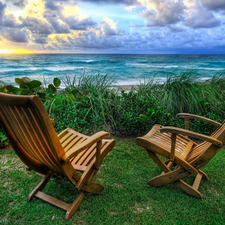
column 124, row 69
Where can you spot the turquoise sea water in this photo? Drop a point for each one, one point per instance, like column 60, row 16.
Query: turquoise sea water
column 125, row 69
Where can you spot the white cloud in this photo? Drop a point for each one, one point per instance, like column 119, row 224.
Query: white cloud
column 162, row 12
column 197, row 16
column 109, row 27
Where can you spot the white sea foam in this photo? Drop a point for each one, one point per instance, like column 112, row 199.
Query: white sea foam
column 204, row 68
column 88, row 61
column 2, row 70
column 150, row 66
column 65, row 68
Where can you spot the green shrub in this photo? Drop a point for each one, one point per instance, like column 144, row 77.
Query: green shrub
column 90, row 103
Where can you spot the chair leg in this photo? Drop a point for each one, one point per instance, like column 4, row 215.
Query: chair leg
column 159, row 162
column 39, row 187
column 192, row 191
column 204, row 175
column 74, row 206
column 166, row 178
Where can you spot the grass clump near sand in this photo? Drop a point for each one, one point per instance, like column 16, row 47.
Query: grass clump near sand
column 91, row 103
column 126, row 198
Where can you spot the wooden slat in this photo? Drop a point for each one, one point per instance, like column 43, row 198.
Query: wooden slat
column 73, row 143
column 82, row 157
column 65, row 137
column 15, row 128
column 67, row 141
column 53, row 153
column 54, row 201
column 75, row 158
column 23, row 136
column 79, row 167
column 41, row 148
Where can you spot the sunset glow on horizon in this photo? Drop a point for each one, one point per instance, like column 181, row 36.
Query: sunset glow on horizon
column 124, row 26
column 17, row 51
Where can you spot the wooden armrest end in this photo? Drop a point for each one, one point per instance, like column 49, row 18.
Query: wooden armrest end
column 201, row 118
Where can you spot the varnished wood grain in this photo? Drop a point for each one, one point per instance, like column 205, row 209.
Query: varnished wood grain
column 33, row 137
column 186, row 157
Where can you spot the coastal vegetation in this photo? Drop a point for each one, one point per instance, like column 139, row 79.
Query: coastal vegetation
column 92, row 103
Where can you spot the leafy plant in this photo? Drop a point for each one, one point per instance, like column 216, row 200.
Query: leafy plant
column 3, row 139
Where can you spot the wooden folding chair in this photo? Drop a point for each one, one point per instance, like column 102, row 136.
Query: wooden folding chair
column 184, row 156
column 69, row 155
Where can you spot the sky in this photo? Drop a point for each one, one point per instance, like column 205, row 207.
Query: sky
column 113, row 26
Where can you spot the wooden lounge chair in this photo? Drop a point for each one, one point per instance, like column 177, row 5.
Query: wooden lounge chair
column 184, row 156
column 69, row 155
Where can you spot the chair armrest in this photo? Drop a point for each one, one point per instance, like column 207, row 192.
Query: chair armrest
column 82, row 146
column 185, row 132
column 188, row 116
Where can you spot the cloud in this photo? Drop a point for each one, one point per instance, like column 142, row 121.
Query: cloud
column 175, row 29
column 59, row 26
column 2, row 11
column 80, row 24
column 197, row 16
column 11, row 22
column 192, row 13
column 15, row 35
column 125, row 2
column 172, row 26
column 51, row 5
column 70, row 15
column 108, row 27
column 40, row 40
column 214, row 4
column 18, row 3
column 38, row 25
column 162, row 12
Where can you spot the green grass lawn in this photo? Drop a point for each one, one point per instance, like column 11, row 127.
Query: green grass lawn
column 126, row 198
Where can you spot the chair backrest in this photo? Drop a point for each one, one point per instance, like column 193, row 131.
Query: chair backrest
column 206, row 151
column 29, row 129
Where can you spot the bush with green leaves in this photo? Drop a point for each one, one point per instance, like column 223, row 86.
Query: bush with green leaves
column 90, row 103
column 3, row 139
